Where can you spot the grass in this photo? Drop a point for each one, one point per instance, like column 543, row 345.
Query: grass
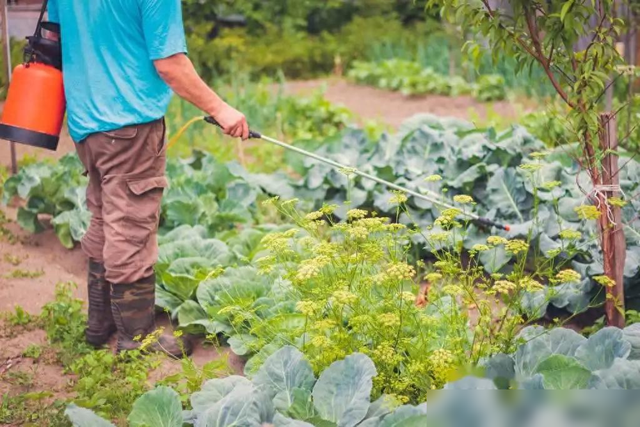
column 19, row 273
column 12, row 259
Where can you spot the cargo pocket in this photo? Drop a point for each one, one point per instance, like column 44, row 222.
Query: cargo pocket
column 143, row 208
column 128, row 132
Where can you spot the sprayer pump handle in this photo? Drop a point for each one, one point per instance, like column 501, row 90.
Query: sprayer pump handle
column 252, row 134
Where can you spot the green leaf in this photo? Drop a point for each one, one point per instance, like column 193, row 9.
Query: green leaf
column 280, row 420
column 282, row 373
column 602, row 348
column 214, row 391
column 541, row 344
column 565, row 9
column 81, row 417
column 342, row 393
column 244, row 406
column 563, row 373
column 622, row 375
column 241, row 343
column 160, row 407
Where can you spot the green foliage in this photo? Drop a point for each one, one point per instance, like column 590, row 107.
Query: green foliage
column 411, row 79
column 19, row 317
column 64, row 322
column 17, row 47
column 33, row 351
column 110, row 384
column 283, row 393
column 57, row 190
column 561, row 359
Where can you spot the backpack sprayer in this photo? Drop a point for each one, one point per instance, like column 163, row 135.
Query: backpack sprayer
column 35, row 106
column 429, row 197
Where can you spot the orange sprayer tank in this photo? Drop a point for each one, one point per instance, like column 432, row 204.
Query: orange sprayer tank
column 35, row 106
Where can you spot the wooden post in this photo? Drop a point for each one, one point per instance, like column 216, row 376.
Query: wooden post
column 614, row 246
column 6, row 51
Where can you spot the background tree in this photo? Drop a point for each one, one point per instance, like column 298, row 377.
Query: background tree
column 548, row 32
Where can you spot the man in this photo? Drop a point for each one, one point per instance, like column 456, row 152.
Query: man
column 121, row 58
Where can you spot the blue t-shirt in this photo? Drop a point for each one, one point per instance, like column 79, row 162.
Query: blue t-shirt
column 108, row 49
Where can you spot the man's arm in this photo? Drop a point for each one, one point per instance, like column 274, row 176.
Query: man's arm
column 178, row 72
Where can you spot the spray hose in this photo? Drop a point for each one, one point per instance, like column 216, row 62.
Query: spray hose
column 429, row 197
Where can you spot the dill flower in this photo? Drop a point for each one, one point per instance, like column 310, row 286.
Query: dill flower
column 311, row 268
column 356, row 214
column 408, row 296
column 605, row 281
column 568, row 276
column 290, row 203
column 617, row 202
column 344, row 297
column 328, row 209
column 453, row 290
column 308, row 308
column 539, row 154
column 358, row 232
column 312, row 216
column 395, row 228
column 516, row 246
column 433, row 277
column 496, row 240
column 442, row 236
column 389, row 320
column 504, row 286
column 433, row 178
column 463, row 199
column 530, row 167
column 400, row 271
column 588, row 212
column 569, row 234
column 398, row 198
column 550, row 185
column 552, row 253
column 480, row 248
column 530, row 285
column 320, row 341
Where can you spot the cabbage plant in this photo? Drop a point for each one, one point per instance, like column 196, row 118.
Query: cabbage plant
column 283, row 393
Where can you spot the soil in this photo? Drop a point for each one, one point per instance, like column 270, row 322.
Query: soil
column 44, row 254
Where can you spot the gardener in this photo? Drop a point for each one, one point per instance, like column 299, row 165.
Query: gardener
column 121, row 59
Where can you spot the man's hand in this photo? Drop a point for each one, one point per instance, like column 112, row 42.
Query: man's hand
column 232, row 121
column 178, row 72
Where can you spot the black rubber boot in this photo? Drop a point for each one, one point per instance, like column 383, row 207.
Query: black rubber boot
column 100, row 324
column 133, row 307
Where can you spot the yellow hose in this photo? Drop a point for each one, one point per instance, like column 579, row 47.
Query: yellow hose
column 182, row 130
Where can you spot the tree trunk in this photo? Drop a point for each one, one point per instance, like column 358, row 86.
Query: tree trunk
column 614, row 247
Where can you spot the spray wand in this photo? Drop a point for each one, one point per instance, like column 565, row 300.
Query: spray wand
column 431, row 198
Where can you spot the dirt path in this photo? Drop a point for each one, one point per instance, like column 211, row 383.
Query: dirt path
column 392, row 108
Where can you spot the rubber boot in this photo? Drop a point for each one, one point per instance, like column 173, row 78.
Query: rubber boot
column 133, row 307
column 100, row 324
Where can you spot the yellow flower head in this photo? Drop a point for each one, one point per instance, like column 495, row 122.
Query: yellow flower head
column 356, row 214
column 496, row 240
column 569, row 234
column 433, row 178
column 588, row 212
column 400, row 271
column 516, row 246
column 605, row 281
column 568, row 276
column 463, row 199
column 398, row 198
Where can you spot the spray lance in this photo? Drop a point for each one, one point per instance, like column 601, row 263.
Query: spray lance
column 429, row 197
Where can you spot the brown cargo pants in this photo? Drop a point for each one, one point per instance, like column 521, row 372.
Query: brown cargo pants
column 126, row 169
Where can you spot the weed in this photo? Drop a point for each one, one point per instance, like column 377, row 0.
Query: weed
column 19, row 317
column 12, row 259
column 64, row 322
column 32, row 409
column 24, row 274
column 33, row 351
column 191, row 377
column 110, row 383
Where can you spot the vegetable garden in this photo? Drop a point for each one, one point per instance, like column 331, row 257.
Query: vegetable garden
column 348, row 302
